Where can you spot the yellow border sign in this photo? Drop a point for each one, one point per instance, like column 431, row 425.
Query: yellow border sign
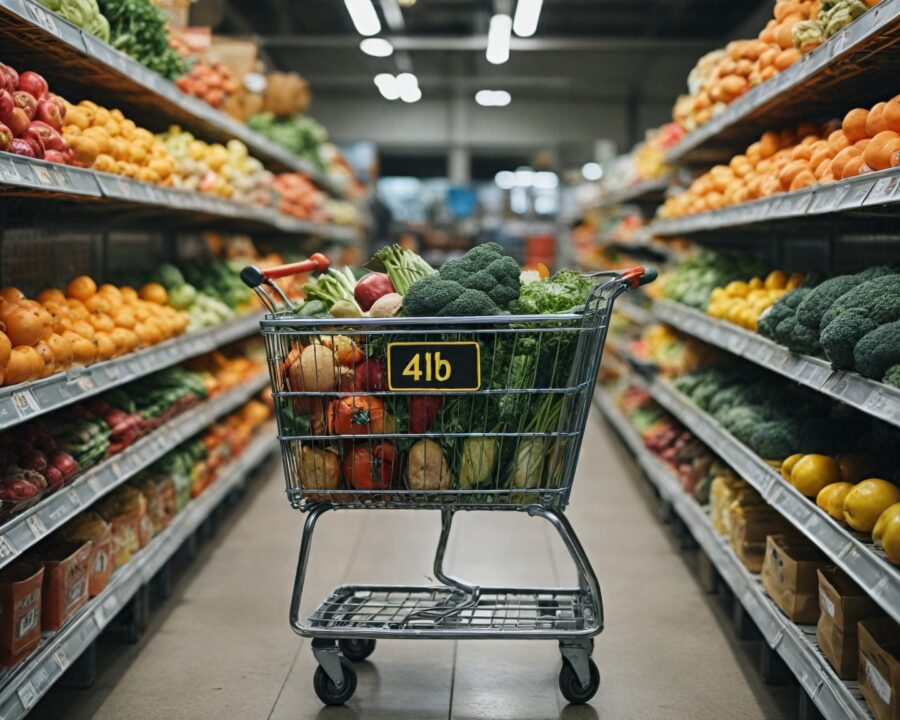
column 424, row 366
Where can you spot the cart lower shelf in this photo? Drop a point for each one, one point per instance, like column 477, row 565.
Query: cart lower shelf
column 402, row 611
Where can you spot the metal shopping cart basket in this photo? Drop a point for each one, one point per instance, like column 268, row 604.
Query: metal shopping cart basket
column 446, row 414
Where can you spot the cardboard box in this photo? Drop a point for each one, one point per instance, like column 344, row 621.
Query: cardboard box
column 879, row 666
column 790, row 576
column 65, row 587
column 842, row 604
column 749, row 529
column 20, row 610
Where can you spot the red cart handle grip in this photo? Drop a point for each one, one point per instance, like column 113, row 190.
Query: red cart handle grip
column 254, row 277
column 639, row 275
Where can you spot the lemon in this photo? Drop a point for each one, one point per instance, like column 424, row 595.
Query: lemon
column 867, row 500
column 831, row 499
column 737, row 288
column 788, row 465
column 887, row 533
column 776, row 280
column 811, row 473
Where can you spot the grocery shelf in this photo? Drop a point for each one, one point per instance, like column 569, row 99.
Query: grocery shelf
column 80, row 66
column 871, row 397
column 24, row 530
column 37, row 178
column 857, row 66
column 633, row 312
column 853, row 553
column 25, row 684
column 796, row 644
column 644, row 192
column 876, row 193
column 26, row 401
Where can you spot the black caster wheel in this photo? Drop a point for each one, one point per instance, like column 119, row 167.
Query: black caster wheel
column 328, row 692
column 357, row 650
column 571, row 687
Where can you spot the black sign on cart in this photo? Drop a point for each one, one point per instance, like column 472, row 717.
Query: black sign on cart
column 417, row 366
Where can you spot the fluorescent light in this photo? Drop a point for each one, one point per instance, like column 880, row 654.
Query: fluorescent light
column 546, row 180
column 493, row 98
column 525, row 177
column 407, row 81
column 387, row 86
column 411, row 95
column 526, row 20
column 364, row 17
column 376, row 47
column 499, row 32
column 505, row 180
column 592, row 171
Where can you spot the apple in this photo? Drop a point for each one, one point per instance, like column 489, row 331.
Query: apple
column 7, row 103
column 56, row 156
column 59, row 102
column 6, row 137
column 65, row 463
column 371, row 287
column 53, row 476
column 34, row 138
column 11, row 77
column 33, row 83
column 48, row 112
column 51, row 139
column 27, row 102
column 17, row 122
column 34, row 460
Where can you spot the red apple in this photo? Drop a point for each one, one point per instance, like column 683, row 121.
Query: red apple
column 48, row 112
column 17, row 122
column 59, row 102
column 33, row 460
column 6, row 137
column 11, row 77
column 55, row 156
column 65, row 463
column 53, row 477
column 50, row 138
column 33, row 137
column 33, row 83
column 26, row 102
column 7, row 103
column 371, row 287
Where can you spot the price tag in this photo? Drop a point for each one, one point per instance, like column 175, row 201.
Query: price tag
column 125, row 188
column 94, row 484
column 112, row 372
column 826, row 200
column 25, row 403
column 100, row 618
column 856, row 195
column 41, row 174
column 27, row 695
column 86, row 383
column 9, row 171
column 37, row 527
column 6, row 548
column 61, row 660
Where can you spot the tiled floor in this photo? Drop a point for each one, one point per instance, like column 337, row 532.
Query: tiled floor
column 221, row 647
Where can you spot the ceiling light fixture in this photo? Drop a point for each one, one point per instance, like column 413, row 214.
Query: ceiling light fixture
column 364, row 17
column 525, row 21
column 376, row 47
column 525, row 177
column 546, row 181
column 493, row 98
column 407, row 82
column 592, row 171
column 387, row 85
column 411, row 95
column 505, row 180
column 499, row 32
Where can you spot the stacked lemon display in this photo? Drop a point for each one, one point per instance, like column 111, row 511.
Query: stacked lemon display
column 742, row 303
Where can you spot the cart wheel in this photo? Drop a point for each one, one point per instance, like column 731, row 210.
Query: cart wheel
column 328, row 692
column 571, row 687
column 357, row 650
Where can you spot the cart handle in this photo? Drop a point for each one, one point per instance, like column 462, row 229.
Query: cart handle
column 254, row 277
column 640, row 275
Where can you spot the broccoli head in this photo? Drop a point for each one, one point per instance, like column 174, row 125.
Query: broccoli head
column 878, row 351
column 892, row 376
column 428, row 296
column 878, row 298
column 798, row 337
column 741, row 422
column 786, row 307
column 819, row 299
column 776, row 439
column 485, row 269
column 469, row 303
column 839, row 338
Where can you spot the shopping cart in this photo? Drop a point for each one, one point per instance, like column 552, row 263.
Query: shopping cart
column 446, row 414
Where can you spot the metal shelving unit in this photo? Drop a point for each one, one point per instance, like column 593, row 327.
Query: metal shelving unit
column 649, row 192
column 77, row 65
column 633, row 312
column 874, row 398
column 796, row 644
column 24, row 530
column 19, row 403
column 37, row 178
column 854, row 553
column 876, row 194
column 24, row 685
column 835, row 77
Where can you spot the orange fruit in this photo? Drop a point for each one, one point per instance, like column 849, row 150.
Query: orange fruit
column 50, row 295
column 62, row 351
column 110, row 290
column 11, row 294
column 123, row 316
column 128, row 292
column 106, row 348
column 99, row 303
column 81, row 288
column 5, row 349
column 155, row 293
column 48, row 359
column 83, row 350
column 84, row 328
column 77, row 309
column 126, row 339
column 24, row 364
column 101, row 321
column 24, row 327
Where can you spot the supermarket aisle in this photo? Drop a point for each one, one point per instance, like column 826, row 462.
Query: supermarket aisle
column 221, row 647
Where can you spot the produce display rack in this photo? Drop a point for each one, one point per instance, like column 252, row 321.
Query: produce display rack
column 77, row 63
column 853, row 553
column 876, row 194
column 645, row 192
column 19, row 403
column 39, row 179
column 796, row 644
column 858, row 65
column 24, row 685
column 633, row 312
column 24, row 530
column 871, row 397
